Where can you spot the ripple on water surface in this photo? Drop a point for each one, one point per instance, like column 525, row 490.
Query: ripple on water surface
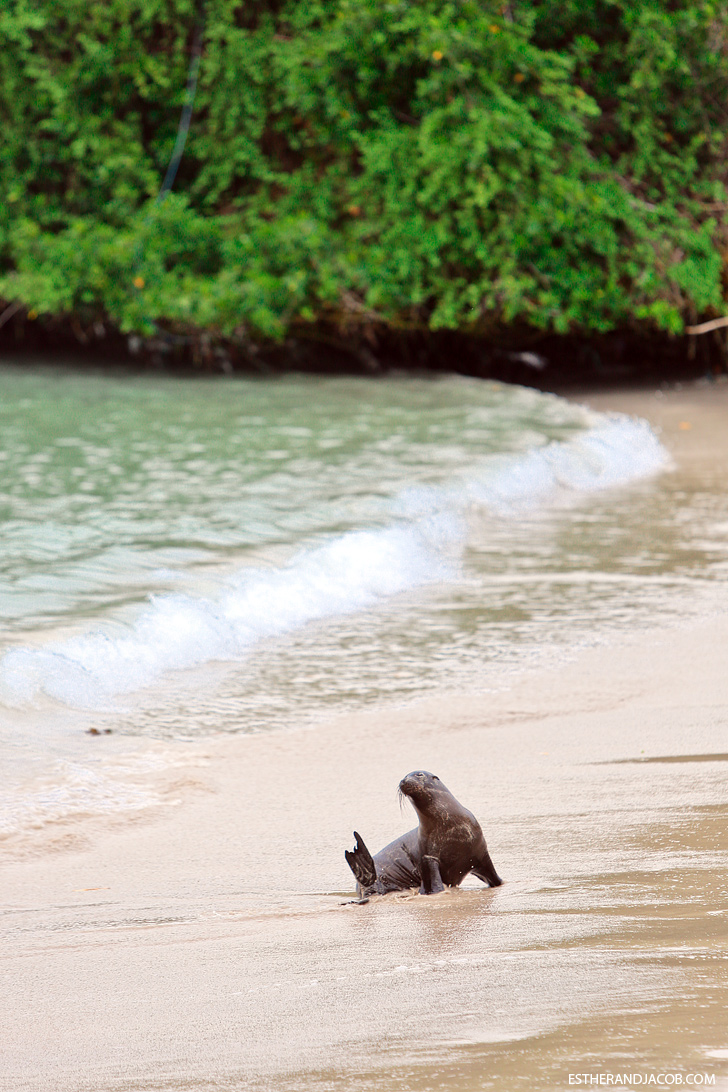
column 248, row 510
column 191, row 555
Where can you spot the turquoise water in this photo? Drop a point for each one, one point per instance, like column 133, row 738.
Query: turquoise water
column 192, row 519
column 115, row 487
column 182, row 555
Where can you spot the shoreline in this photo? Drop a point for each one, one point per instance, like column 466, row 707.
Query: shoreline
column 556, row 364
column 207, row 948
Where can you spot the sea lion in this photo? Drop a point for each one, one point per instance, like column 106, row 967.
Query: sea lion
column 439, row 853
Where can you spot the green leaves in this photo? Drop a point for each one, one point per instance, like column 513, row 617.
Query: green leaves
column 445, row 164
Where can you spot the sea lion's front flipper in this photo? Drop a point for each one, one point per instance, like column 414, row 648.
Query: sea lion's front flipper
column 485, row 871
column 361, row 864
column 431, row 879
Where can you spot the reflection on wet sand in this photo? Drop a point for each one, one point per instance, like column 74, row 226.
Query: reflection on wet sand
column 609, row 957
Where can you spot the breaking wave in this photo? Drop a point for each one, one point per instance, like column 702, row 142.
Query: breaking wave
column 421, row 543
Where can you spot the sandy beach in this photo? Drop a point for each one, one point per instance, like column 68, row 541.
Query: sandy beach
column 205, row 945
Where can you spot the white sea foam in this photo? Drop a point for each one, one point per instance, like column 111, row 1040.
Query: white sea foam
column 349, row 573
column 72, row 790
column 615, row 450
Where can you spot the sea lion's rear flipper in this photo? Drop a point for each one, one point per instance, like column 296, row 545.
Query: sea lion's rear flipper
column 361, row 863
column 431, row 879
column 486, row 872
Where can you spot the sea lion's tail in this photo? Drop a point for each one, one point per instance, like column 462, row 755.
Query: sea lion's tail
column 361, row 864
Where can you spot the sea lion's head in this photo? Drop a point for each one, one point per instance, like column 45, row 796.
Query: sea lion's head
column 424, row 789
column 435, row 805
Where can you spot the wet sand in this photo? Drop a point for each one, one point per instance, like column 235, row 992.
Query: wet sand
column 205, row 945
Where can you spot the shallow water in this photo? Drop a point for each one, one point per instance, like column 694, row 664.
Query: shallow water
column 184, row 556
column 212, row 953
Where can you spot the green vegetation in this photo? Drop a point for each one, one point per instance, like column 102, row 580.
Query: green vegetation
column 444, row 164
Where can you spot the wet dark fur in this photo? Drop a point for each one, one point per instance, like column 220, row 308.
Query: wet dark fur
column 439, row 853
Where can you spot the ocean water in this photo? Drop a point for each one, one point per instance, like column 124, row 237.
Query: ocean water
column 185, row 556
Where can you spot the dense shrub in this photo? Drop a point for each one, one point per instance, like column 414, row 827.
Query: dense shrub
column 449, row 163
